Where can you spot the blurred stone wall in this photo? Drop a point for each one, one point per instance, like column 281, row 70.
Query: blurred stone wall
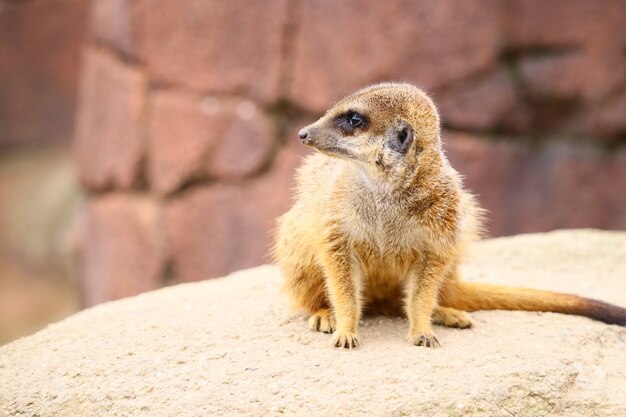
column 40, row 44
column 186, row 144
column 40, row 55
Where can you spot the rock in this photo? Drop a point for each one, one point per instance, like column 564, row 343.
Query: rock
column 123, row 249
column 119, row 23
column 610, row 117
column 39, row 69
column 215, row 46
column 541, row 187
column 109, row 138
column 212, row 229
column 230, row 347
column 571, row 77
column 536, row 23
column 487, row 103
column 568, row 72
column 373, row 41
column 194, row 137
column 605, row 119
column 221, row 227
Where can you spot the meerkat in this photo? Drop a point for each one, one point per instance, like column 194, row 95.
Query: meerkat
column 381, row 222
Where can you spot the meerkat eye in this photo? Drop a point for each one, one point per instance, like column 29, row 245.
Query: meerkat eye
column 351, row 121
column 356, row 120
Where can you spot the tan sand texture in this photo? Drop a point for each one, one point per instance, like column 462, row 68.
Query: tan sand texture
column 229, row 347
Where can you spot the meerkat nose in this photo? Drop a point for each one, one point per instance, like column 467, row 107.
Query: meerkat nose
column 304, row 135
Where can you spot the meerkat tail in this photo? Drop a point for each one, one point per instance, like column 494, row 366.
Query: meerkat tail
column 471, row 296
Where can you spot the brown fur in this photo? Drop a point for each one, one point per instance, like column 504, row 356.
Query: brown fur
column 381, row 223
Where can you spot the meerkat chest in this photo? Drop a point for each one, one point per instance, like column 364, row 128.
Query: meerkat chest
column 383, row 228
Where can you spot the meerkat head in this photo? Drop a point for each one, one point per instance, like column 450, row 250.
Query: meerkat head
column 388, row 128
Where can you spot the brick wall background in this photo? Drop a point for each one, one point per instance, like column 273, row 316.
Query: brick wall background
column 186, row 142
column 40, row 55
column 40, row 44
column 185, row 137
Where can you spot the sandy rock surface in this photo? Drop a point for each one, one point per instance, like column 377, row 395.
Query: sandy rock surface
column 229, row 347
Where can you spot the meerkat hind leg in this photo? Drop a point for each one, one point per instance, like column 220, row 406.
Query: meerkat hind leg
column 451, row 317
column 323, row 321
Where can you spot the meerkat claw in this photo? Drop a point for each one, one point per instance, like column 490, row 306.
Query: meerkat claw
column 427, row 341
column 345, row 341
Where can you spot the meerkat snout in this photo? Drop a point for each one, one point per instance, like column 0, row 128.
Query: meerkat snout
column 303, row 133
column 307, row 136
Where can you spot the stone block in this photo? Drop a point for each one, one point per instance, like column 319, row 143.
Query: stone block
column 485, row 104
column 565, row 23
column 572, row 77
column 109, row 139
column 194, row 137
column 218, row 228
column 123, row 252
column 527, row 187
column 120, row 23
column 39, row 70
column 217, row 46
column 342, row 46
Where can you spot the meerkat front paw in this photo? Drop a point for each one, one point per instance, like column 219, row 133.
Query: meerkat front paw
column 424, row 339
column 322, row 321
column 345, row 340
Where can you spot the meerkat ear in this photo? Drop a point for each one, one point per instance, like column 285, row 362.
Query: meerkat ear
column 401, row 139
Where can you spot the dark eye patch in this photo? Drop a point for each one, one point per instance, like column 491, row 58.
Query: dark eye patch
column 351, row 121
